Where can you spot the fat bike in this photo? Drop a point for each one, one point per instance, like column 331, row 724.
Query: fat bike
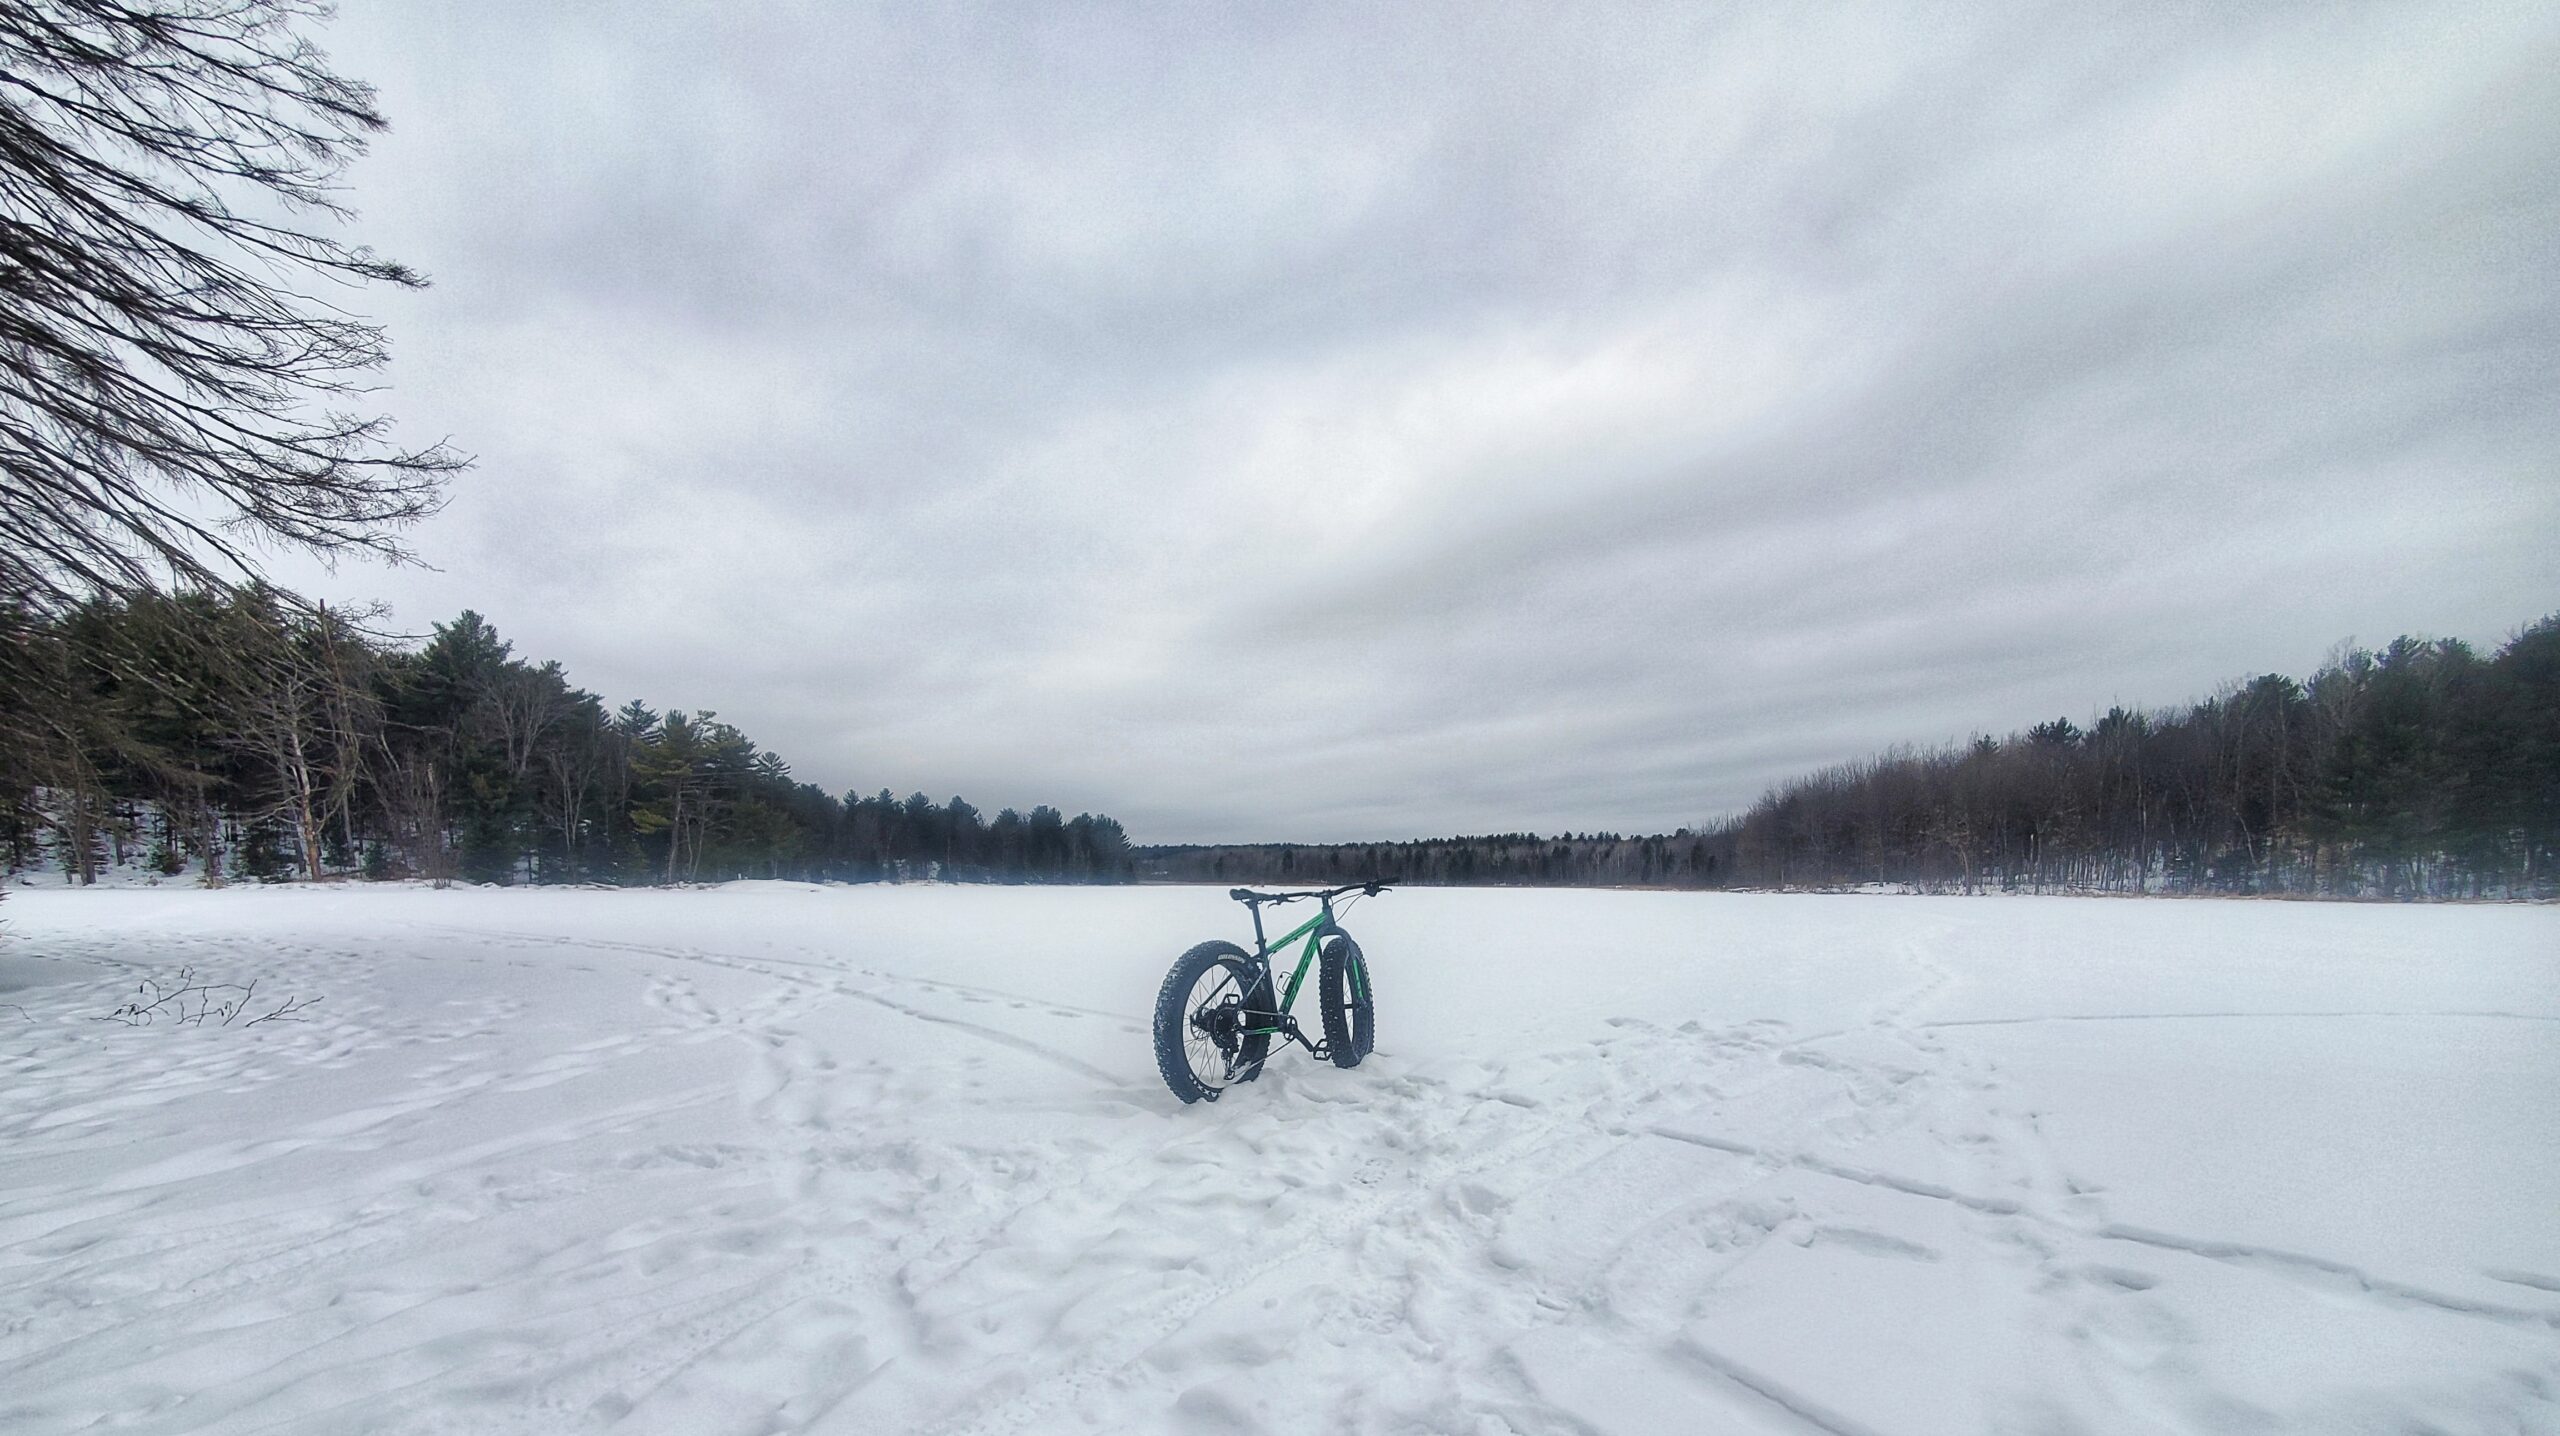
column 1221, row 1006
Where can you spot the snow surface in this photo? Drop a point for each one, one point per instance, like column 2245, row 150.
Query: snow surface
column 774, row 1158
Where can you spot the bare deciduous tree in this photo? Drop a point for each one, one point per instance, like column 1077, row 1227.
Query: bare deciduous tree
column 168, row 391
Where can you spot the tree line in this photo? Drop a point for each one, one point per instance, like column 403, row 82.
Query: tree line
column 1684, row 859
column 2419, row 770
column 244, row 733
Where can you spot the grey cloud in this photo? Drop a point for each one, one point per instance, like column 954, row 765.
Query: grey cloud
column 1331, row 423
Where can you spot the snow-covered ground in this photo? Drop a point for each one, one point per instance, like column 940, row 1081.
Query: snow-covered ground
column 772, row 1158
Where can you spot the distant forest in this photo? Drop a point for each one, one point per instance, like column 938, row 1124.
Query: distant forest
column 245, row 735
column 2422, row 770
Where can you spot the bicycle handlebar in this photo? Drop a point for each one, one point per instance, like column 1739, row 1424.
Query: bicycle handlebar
column 1249, row 897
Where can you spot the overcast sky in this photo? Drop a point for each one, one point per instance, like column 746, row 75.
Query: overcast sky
column 1290, row 421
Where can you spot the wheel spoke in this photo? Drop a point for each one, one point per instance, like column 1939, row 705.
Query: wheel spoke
column 1212, row 1024
column 1211, row 1062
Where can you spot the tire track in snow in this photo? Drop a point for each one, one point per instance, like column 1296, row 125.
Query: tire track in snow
column 759, row 967
column 2235, row 1253
column 1806, row 1161
column 998, row 1036
column 743, row 963
column 2293, row 1263
column 1797, row 1408
column 2215, row 1016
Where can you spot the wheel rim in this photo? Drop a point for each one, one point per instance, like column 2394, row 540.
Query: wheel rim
column 1353, row 1003
column 1212, row 1027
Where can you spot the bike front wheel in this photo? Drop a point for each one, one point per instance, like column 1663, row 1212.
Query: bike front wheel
column 1342, row 990
column 1213, row 1016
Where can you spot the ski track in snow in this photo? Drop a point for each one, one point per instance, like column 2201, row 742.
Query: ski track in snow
column 545, row 1163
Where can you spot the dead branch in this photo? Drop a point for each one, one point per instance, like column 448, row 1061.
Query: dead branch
column 186, row 1002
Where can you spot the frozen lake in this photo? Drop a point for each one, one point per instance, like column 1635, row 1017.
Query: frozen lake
column 774, row 1158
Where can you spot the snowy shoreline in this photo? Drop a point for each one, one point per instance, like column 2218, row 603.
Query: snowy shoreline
column 127, row 877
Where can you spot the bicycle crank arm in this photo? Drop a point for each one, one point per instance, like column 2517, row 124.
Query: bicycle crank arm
column 1289, row 1028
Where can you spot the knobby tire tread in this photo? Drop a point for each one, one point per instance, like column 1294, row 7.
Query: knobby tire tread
column 1349, row 1034
column 1172, row 1020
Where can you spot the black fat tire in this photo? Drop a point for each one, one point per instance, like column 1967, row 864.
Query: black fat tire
column 1173, row 1018
column 1342, row 991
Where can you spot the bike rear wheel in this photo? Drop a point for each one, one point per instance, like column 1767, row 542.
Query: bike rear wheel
column 1342, row 991
column 1206, row 1013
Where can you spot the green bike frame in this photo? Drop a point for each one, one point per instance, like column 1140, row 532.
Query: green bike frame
column 1313, row 931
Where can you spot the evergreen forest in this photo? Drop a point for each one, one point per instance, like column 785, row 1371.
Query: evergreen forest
column 241, row 733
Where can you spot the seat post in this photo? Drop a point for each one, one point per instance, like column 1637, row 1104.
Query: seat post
column 1261, row 945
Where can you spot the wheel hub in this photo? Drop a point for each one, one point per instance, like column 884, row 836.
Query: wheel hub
column 1223, row 1024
